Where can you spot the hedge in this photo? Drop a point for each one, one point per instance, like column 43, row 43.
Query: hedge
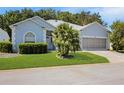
column 5, row 47
column 32, row 48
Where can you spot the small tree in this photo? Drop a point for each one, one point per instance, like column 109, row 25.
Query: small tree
column 117, row 36
column 66, row 39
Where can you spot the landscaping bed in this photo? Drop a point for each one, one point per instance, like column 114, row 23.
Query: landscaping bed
column 49, row 59
column 8, row 55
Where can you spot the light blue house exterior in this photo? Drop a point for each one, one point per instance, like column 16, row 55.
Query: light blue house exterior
column 31, row 30
column 36, row 29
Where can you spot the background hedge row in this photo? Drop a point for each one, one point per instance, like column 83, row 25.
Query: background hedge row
column 32, row 48
column 5, row 47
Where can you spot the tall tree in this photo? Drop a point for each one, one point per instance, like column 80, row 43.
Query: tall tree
column 46, row 14
column 66, row 16
column 1, row 22
column 26, row 13
column 117, row 36
column 84, row 18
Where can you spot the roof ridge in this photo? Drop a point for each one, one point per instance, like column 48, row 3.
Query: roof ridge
column 65, row 22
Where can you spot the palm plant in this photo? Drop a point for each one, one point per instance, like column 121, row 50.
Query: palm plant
column 65, row 39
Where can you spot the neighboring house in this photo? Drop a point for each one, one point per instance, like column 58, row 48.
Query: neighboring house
column 36, row 29
column 4, row 35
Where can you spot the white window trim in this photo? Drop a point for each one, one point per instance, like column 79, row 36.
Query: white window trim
column 27, row 33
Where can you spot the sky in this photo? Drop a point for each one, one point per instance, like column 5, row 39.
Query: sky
column 108, row 14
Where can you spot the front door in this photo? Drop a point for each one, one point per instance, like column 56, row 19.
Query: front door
column 50, row 43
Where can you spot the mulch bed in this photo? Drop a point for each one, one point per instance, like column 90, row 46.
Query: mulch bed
column 8, row 55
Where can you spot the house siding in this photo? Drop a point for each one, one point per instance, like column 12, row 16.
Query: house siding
column 4, row 35
column 44, row 24
column 94, row 31
column 22, row 29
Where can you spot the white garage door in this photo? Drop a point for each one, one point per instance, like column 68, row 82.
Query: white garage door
column 94, row 43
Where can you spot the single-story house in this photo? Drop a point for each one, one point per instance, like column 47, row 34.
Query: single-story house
column 4, row 35
column 36, row 29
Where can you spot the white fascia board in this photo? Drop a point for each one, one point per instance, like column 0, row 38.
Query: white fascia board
column 94, row 37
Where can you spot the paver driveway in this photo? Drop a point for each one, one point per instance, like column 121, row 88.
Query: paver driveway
column 106, row 73
column 113, row 57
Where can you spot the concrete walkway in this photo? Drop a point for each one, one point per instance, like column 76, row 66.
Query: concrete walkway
column 106, row 73
column 113, row 57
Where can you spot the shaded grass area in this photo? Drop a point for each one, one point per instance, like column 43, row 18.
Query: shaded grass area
column 49, row 59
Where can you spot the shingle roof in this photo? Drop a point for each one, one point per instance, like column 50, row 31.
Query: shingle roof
column 58, row 22
column 33, row 20
column 55, row 23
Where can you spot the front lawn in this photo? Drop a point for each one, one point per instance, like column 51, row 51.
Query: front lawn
column 49, row 59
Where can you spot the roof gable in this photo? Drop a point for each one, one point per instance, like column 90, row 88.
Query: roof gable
column 38, row 22
column 4, row 33
column 95, row 23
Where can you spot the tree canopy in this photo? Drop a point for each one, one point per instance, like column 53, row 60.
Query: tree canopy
column 82, row 18
column 117, row 35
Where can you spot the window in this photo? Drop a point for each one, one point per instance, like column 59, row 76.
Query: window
column 29, row 38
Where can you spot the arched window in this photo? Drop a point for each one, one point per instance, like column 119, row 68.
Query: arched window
column 29, row 38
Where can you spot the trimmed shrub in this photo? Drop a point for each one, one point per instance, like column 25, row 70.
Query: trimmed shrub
column 5, row 47
column 33, row 48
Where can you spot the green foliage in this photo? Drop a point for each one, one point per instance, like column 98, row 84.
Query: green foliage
column 117, row 35
column 5, row 47
column 46, row 14
column 121, row 51
column 32, row 48
column 66, row 39
column 83, row 18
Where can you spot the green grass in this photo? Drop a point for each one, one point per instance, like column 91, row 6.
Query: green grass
column 49, row 59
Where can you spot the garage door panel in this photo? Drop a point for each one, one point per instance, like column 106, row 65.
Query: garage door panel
column 93, row 43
